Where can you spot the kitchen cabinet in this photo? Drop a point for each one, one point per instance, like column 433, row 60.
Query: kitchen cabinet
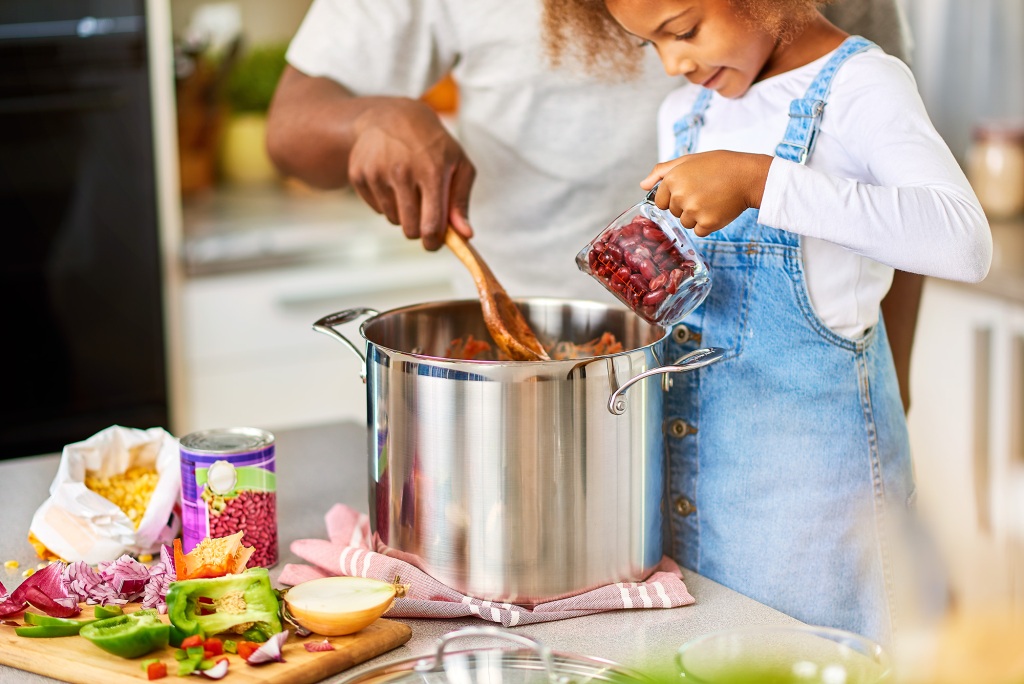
column 263, row 267
column 966, row 427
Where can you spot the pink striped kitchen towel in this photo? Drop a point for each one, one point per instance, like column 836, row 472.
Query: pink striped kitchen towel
column 347, row 551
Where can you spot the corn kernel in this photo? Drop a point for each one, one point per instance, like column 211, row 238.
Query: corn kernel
column 145, row 557
column 12, row 565
column 29, row 572
column 130, row 491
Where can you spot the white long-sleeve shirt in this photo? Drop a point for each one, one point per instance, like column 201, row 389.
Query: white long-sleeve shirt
column 880, row 191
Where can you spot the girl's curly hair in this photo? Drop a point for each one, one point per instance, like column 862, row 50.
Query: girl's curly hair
column 585, row 31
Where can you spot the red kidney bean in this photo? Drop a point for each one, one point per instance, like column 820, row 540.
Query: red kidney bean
column 637, row 283
column 655, row 297
column 653, row 233
column 255, row 514
column 614, row 254
column 658, row 281
column 674, row 280
column 647, row 269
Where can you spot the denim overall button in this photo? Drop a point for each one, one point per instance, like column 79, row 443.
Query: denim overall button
column 677, row 427
column 681, row 335
column 684, row 506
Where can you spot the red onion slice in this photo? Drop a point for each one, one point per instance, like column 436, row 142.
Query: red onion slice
column 316, row 646
column 60, row 607
column 216, row 672
column 270, row 651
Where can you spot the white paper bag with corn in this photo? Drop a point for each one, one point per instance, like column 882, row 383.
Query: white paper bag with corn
column 114, row 493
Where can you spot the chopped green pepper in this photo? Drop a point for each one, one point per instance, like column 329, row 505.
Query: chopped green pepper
column 104, row 612
column 230, row 646
column 46, row 627
column 48, row 631
column 128, row 636
column 37, row 619
column 244, row 601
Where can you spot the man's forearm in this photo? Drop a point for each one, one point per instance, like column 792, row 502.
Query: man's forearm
column 312, row 125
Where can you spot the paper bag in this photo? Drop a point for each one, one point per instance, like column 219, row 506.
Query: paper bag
column 76, row 523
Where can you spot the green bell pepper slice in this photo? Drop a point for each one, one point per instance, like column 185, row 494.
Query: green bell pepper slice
column 46, row 620
column 128, row 636
column 48, row 631
column 104, row 612
column 45, row 627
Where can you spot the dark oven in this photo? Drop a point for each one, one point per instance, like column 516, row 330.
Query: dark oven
column 83, row 336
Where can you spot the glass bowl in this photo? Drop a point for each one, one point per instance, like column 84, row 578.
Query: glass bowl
column 649, row 262
column 783, row 655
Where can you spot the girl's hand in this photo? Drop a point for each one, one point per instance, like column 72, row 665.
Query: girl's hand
column 708, row 190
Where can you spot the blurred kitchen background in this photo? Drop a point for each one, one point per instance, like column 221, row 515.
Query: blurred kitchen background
column 159, row 272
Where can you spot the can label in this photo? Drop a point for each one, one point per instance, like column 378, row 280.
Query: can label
column 229, row 485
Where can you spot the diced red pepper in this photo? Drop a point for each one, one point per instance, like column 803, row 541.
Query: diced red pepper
column 156, row 671
column 213, row 646
column 246, row 649
column 192, row 641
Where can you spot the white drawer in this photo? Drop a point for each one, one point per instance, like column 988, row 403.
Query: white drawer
column 250, row 354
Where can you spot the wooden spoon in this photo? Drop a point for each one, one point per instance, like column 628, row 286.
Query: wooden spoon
column 504, row 321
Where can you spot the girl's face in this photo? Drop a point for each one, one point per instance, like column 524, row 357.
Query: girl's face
column 704, row 40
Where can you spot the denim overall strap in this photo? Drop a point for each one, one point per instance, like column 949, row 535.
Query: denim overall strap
column 805, row 113
column 687, row 129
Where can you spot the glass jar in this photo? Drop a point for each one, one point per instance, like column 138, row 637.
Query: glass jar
column 995, row 168
column 649, row 262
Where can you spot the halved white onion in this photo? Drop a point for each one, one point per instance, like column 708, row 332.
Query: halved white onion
column 335, row 606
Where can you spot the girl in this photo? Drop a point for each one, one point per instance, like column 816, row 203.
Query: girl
column 805, row 160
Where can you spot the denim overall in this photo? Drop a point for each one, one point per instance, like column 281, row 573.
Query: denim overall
column 783, row 456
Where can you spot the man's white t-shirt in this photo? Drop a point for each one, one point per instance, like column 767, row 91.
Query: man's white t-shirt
column 559, row 154
column 881, row 189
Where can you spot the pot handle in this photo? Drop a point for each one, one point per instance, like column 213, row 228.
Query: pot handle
column 326, row 326
column 543, row 652
column 692, row 361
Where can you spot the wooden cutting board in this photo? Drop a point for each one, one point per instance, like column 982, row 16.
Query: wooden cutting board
column 75, row 659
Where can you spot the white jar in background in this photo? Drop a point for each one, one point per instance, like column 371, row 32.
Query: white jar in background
column 995, row 168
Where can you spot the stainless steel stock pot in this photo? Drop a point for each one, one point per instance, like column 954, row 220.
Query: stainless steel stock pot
column 517, row 481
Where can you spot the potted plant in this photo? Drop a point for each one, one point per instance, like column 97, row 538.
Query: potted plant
column 249, row 89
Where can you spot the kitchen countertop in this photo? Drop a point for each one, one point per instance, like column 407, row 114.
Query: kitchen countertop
column 253, row 227
column 1006, row 278
column 322, row 465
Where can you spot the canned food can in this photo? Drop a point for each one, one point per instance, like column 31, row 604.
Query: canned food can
column 229, row 485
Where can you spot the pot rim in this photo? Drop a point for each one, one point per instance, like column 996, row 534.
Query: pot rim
column 553, row 363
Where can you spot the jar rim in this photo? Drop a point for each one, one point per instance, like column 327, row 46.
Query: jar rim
column 1010, row 130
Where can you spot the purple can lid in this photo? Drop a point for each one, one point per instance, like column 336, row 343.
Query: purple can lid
column 226, row 440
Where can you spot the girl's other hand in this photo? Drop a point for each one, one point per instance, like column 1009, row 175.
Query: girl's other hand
column 708, row 190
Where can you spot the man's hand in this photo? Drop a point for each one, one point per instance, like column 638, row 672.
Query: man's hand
column 394, row 151
column 708, row 190
column 407, row 167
